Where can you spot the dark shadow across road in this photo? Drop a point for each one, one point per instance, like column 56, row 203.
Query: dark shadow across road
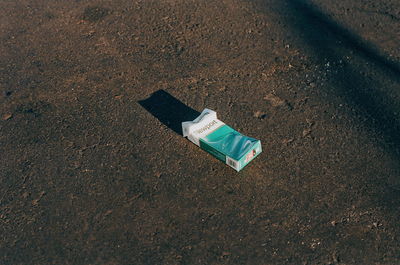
column 331, row 41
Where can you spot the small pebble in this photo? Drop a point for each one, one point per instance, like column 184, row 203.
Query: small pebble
column 260, row 115
column 287, row 141
column 306, row 132
column 7, row 116
column 275, row 101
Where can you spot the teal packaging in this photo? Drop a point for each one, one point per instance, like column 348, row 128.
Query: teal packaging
column 221, row 141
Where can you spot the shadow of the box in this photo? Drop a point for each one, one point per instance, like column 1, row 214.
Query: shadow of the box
column 169, row 110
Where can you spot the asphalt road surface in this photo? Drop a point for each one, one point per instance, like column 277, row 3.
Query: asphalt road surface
column 93, row 169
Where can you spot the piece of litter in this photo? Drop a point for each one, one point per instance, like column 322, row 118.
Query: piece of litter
column 220, row 140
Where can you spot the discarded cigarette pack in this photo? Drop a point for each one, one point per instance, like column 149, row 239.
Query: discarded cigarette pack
column 220, row 140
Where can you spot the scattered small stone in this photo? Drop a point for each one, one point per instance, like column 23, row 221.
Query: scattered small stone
column 260, row 115
column 108, row 212
column 118, row 97
column 306, row 132
column 7, row 116
column 315, row 243
column 274, row 100
column 90, row 34
column 310, row 122
column 375, row 224
column 264, row 76
column 287, row 141
column 36, row 201
column 335, row 258
column 303, row 101
column 333, row 223
column 345, row 220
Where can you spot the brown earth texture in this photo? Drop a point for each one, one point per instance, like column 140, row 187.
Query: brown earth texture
column 89, row 174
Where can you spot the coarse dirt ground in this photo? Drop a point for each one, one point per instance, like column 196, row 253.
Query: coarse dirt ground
column 90, row 176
